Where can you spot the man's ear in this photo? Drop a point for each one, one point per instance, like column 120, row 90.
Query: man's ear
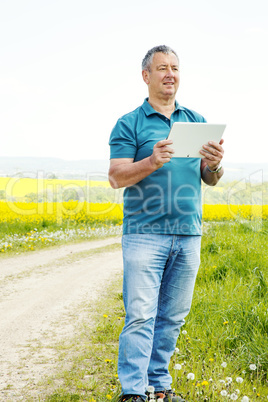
column 145, row 76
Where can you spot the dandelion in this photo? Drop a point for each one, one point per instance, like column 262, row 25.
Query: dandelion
column 190, row 376
column 233, row 397
column 177, row 351
column 108, row 360
column 224, row 364
column 225, row 322
column 204, row 382
column 211, row 360
column 239, row 380
column 105, row 315
column 237, row 391
column 245, row 399
column 229, row 380
column 150, row 389
column 108, row 396
column 184, row 332
column 177, row 366
column 223, row 393
column 252, row 367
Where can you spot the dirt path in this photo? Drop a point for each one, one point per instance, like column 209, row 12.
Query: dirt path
column 39, row 289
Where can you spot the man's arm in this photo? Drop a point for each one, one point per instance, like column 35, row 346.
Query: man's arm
column 124, row 172
column 213, row 155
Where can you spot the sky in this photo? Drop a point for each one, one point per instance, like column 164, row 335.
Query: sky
column 70, row 69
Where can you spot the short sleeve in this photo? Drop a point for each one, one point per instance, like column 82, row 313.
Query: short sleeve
column 123, row 140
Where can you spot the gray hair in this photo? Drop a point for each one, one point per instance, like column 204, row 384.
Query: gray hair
column 146, row 62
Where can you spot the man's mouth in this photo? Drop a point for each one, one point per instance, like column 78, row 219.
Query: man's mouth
column 168, row 83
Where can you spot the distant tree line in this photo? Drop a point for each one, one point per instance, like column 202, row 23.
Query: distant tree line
column 236, row 192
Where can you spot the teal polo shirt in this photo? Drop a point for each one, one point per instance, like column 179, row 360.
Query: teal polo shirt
column 168, row 201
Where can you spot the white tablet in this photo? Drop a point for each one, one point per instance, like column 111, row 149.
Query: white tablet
column 188, row 138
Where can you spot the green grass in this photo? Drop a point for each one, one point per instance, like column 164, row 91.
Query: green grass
column 228, row 323
column 20, row 241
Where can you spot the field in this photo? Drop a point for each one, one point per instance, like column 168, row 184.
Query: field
column 38, row 212
column 222, row 352
column 40, row 189
column 27, row 226
column 20, row 186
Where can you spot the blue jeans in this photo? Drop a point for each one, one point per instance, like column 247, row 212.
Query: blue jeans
column 159, row 279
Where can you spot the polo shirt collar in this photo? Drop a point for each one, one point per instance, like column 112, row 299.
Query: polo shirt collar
column 148, row 109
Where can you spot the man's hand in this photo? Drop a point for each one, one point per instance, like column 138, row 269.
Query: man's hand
column 124, row 172
column 162, row 153
column 213, row 153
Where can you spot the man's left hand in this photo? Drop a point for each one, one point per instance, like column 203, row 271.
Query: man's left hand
column 213, row 154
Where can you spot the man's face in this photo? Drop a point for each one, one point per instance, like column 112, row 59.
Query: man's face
column 163, row 78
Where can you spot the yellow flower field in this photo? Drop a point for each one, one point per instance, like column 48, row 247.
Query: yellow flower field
column 19, row 187
column 73, row 211
column 100, row 213
column 223, row 212
column 28, row 226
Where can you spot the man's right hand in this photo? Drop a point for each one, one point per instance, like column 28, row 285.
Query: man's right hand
column 124, row 172
column 162, row 153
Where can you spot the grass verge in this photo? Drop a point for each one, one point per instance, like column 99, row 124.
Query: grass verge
column 17, row 243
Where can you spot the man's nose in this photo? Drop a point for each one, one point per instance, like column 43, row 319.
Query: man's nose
column 170, row 72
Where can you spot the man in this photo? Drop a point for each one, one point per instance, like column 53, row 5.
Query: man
column 161, row 227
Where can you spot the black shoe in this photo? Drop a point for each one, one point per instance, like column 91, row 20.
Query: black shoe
column 168, row 396
column 131, row 397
